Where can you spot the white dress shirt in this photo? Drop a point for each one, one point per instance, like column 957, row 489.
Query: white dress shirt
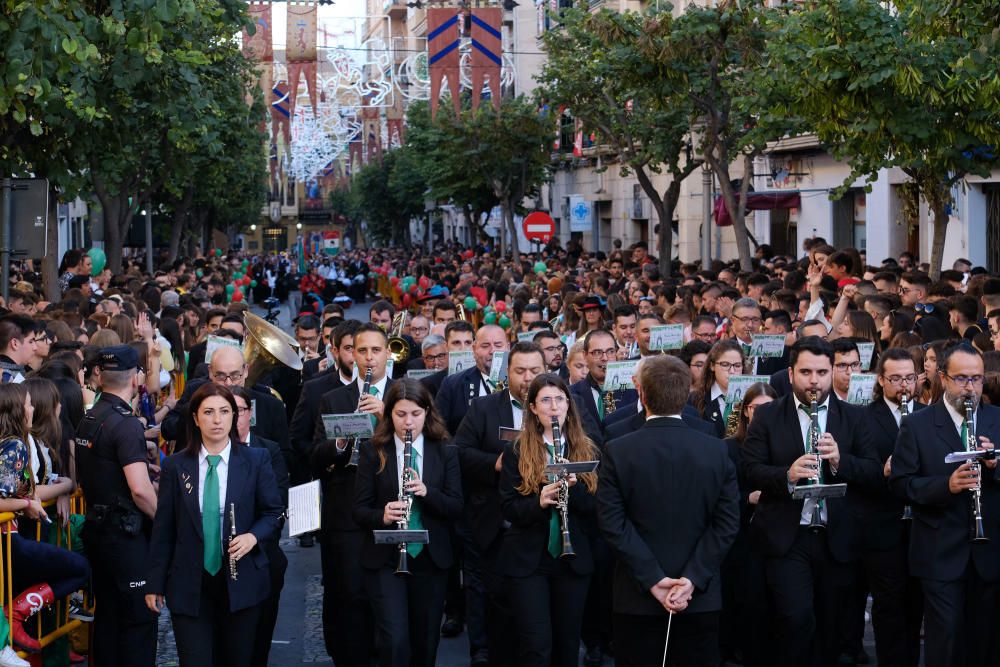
column 221, row 471
column 518, row 414
column 958, row 418
column 894, row 409
column 418, row 457
column 803, row 415
column 380, row 386
column 718, row 395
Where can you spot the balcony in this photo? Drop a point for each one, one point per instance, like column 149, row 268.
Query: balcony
column 395, row 9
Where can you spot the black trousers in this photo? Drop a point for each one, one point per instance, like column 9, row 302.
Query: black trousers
column 498, row 617
column 597, row 612
column 744, row 622
column 808, row 589
column 408, row 612
column 897, row 606
column 348, row 628
column 216, row 637
column 960, row 621
column 548, row 614
column 694, row 640
column 277, row 563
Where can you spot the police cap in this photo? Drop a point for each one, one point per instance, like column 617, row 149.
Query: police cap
column 118, row 358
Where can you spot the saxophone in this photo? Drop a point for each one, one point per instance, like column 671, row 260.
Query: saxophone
column 562, row 499
column 733, row 422
column 405, row 496
column 977, row 532
column 609, row 403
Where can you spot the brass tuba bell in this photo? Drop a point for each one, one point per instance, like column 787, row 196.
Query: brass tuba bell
column 399, row 349
column 267, row 346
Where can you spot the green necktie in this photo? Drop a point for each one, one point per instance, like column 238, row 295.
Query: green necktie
column 415, row 522
column 516, row 403
column 600, row 404
column 373, row 390
column 555, row 532
column 965, row 433
column 210, row 524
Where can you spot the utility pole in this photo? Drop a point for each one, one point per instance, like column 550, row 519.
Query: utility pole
column 706, row 222
column 149, row 238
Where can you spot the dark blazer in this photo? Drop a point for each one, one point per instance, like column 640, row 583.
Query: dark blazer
column 456, row 394
column 310, row 368
column 939, row 538
column 331, row 467
column 433, row 382
column 278, row 466
column 196, row 356
column 528, row 536
column 582, row 390
column 713, row 414
column 439, row 509
column 774, row 442
column 303, row 425
column 176, row 550
column 616, row 426
column 772, row 365
column 781, row 383
column 667, row 504
column 880, row 519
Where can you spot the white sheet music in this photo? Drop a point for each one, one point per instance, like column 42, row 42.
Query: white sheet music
column 304, row 503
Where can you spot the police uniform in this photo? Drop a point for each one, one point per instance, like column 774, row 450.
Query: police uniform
column 116, row 532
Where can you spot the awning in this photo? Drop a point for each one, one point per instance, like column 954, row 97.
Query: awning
column 757, row 201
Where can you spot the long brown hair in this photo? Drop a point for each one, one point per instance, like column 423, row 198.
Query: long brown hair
column 753, row 392
column 407, row 389
column 13, row 419
column 533, row 454
column 703, row 392
column 45, row 425
column 208, row 390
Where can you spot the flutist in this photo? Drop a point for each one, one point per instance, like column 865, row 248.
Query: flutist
column 427, row 496
column 959, row 577
column 809, row 547
column 546, row 588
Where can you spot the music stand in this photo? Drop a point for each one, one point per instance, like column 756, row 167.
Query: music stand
column 401, row 536
column 574, row 468
column 807, row 491
column 974, row 455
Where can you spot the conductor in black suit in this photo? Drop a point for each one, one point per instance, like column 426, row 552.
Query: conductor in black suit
column 668, row 505
column 347, row 621
column 408, row 608
column 214, row 610
column 959, row 578
column 897, row 608
column 546, row 588
column 808, row 570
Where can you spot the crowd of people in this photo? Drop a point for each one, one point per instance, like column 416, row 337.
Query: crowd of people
column 605, row 462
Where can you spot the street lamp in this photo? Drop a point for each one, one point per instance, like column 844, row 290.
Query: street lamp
column 298, row 225
column 253, row 228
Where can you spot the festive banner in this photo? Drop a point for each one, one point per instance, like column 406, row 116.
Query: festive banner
column 300, row 51
column 487, row 53
column 258, row 45
column 443, row 36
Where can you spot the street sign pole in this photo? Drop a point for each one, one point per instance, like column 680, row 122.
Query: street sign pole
column 149, row 238
column 6, row 191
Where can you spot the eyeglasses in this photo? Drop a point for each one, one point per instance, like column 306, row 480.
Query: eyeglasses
column 965, row 380
column 597, row 354
column 848, row 367
column 417, row 329
column 552, row 349
column 436, row 357
column 748, row 320
column 231, row 377
column 924, row 307
column 727, row 365
column 549, row 401
column 896, row 380
column 697, row 364
column 242, row 411
column 906, row 290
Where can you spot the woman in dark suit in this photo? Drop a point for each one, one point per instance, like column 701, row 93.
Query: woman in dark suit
column 408, row 608
column 214, row 594
column 547, row 592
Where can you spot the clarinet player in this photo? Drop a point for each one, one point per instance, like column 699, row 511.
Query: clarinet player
column 408, row 607
column 958, row 577
column 546, row 587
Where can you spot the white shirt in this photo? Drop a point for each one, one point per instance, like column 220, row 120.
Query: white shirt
column 718, row 393
column 221, row 472
column 418, row 456
column 518, row 414
column 648, row 417
column 380, row 386
column 894, row 409
column 959, row 418
column 751, row 361
column 803, row 415
column 484, row 386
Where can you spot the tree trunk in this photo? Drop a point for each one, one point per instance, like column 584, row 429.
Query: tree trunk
column 50, row 268
column 111, row 212
column 736, row 204
column 181, row 208
column 508, row 220
column 940, row 234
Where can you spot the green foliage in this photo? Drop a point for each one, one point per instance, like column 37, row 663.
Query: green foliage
column 915, row 87
column 387, row 195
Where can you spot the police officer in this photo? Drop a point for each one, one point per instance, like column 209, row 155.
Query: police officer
column 121, row 503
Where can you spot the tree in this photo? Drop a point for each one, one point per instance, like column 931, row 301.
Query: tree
column 387, row 194
column 598, row 70
column 713, row 54
column 914, row 86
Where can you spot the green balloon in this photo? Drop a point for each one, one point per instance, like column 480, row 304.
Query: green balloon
column 253, row 283
column 237, row 275
column 230, row 289
column 98, row 260
column 470, row 303
column 491, row 318
column 541, row 267
column 199, row 273
column 218, row 252
column 246, row 263
column 504, row 322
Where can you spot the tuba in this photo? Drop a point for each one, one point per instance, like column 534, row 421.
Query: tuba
column 399, row 348
column 265, row 347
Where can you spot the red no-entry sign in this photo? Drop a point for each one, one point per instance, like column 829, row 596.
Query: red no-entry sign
column 539, row 227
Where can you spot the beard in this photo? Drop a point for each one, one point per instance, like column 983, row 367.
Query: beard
column 958, row 402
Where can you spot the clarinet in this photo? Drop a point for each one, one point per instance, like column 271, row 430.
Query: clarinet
column 904, row 412
column 562, row 499
column 977, row 534
column 816, row 521
column 232, row 535
column 405, row 496
column 356, row 441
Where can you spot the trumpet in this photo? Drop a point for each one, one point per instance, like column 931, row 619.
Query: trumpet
column 232, row 536
column 356, row 441
column 816, row 521
column 562, row 499
column 904, row 411
column 977, row 534
column 405, row 496
column 399, row 348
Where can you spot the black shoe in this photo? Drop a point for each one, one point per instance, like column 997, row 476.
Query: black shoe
column 480, row 660
column 862, row 658
column 306, row 541
column 846, row 660
column 452, row 627
column 593, row 657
